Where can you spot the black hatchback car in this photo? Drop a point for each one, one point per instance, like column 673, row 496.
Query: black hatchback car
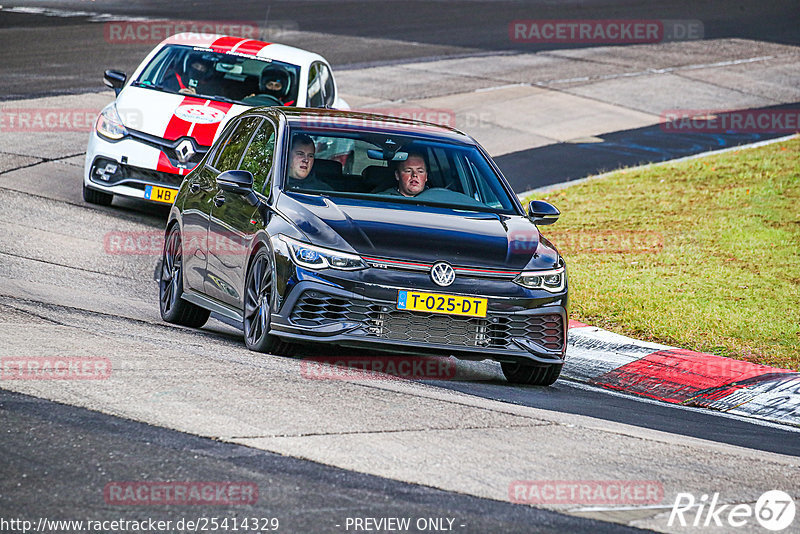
column 420, row 246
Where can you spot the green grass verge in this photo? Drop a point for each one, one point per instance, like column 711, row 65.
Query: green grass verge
column 702, row 254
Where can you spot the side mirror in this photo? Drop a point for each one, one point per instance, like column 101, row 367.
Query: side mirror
column 115, row 79
column 239, row 182
column 541, row 212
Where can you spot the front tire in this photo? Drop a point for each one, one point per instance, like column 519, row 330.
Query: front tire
column 170, row 287
column 93, row 196
column 258, row 307
column 521, row 373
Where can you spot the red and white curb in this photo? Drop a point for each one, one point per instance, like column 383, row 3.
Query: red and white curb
column 612, row 361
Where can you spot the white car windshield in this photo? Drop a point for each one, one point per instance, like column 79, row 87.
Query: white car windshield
column 227, row 77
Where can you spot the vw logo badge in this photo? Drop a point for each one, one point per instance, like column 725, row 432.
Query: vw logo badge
column 442, row 274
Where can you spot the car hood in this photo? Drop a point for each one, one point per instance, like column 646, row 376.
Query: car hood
column 422, row 234
column 172, row 116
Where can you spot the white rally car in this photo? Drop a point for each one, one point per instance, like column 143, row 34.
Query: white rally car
column 168, row 113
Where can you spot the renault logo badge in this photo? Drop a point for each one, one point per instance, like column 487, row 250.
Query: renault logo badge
column 184, row 151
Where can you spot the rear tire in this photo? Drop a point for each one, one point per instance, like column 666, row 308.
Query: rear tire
column 258, row 308
column 170, row 287
column 93, row 196
column 520, row 373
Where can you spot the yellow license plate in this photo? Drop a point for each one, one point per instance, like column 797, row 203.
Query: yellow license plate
column 160, row 194
column 438, row 303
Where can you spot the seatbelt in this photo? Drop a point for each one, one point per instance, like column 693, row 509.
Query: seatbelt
column 180, row 82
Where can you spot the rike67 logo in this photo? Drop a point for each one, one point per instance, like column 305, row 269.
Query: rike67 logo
column 774, row 510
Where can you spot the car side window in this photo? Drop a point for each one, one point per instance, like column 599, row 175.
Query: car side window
column 315, row 92
column 258, row 157
column 230, row 153
column 327, row 83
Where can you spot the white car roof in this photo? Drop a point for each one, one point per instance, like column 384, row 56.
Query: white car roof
column 249, row 47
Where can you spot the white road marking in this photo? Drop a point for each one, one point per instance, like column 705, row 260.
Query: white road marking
column 93, row 16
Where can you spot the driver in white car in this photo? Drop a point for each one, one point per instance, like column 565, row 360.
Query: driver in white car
column 198, row 78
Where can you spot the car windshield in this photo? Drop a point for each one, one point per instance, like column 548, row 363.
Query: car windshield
column 227, row 77
column 394, row 168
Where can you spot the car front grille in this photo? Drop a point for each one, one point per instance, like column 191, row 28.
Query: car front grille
column 147, row 175
column 169, row 147
column 131, row 176
column 315, row 308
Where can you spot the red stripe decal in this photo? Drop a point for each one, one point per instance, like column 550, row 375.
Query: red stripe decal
column 224, row 44
column 204, row 133
column 177, row 127
column 395, row 262
column 165, row 166
column 576, row 324
column 469, row 270
column 677, row 375
column 252, row 47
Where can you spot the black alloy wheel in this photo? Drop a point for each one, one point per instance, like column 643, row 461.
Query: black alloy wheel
column 257, row 307
column 170, row 287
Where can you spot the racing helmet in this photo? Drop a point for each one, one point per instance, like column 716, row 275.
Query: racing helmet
column 274, row 82
column 191, row 64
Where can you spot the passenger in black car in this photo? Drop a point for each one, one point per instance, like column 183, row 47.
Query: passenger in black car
column 301, row 163
column 411, row 176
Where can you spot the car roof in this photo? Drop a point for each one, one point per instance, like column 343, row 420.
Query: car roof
column 243, row 46
column 352, row 120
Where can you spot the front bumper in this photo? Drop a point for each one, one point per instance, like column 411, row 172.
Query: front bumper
column 126, row 167
column 521, row 325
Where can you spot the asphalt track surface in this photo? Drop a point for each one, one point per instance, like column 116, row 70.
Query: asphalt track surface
column 48, row 55
column 57, row 457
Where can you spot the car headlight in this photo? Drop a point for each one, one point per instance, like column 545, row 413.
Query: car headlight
column 312, row 257
column 109, row 124
column 552, row 280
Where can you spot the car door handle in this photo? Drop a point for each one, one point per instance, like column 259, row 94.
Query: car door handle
column 219, row 200
column 194, row 187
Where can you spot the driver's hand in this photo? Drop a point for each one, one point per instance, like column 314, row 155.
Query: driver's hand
column 188, row 91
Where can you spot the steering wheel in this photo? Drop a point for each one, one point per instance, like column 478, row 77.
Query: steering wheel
column 262, row 100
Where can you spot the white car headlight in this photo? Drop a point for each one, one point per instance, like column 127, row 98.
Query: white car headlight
column 552, row 280
column 110, row 125
column 312, row 257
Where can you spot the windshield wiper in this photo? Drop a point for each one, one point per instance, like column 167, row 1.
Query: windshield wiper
column 223, row 99
column 153, row 86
